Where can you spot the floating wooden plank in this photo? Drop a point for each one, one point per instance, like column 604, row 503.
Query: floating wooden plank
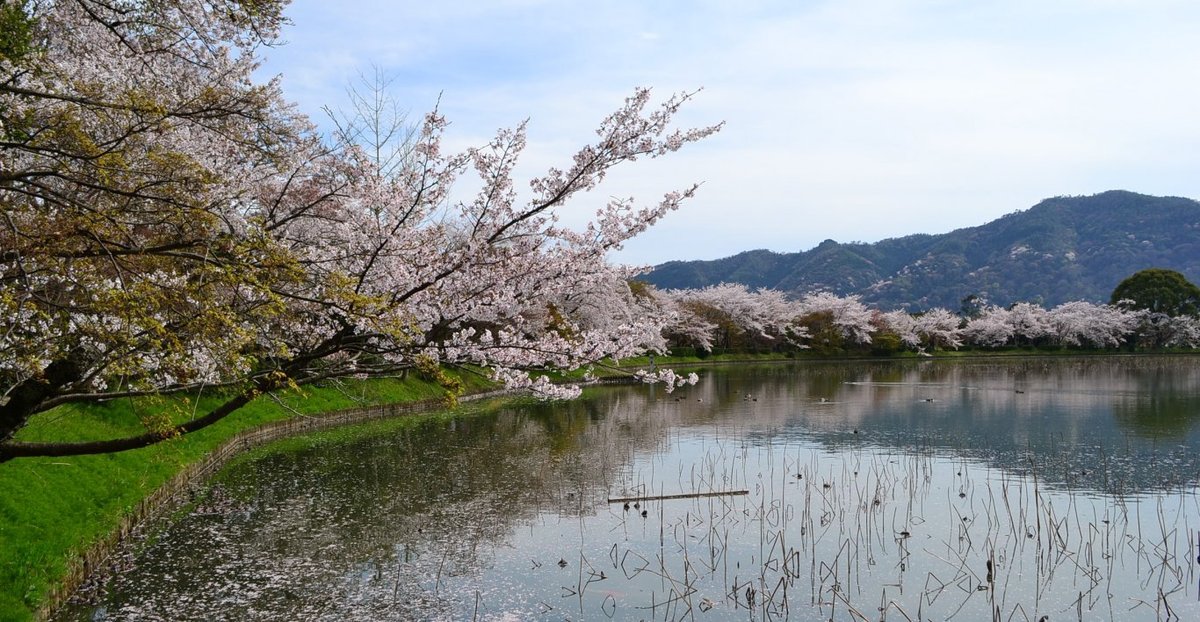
column 686, row 495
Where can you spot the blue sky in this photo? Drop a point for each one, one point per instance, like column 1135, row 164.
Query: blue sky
column 855, row 120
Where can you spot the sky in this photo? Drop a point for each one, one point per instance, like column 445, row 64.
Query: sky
column 852, row 120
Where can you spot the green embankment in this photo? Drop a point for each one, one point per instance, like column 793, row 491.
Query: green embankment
column 53, row 509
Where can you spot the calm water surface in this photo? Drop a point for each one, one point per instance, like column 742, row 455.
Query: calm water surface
column 936, row 490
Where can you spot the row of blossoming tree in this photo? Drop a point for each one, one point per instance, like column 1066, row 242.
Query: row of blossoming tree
column 171, row 224
column 732, row 317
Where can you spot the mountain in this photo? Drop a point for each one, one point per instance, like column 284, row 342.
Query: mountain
column 1062, row 249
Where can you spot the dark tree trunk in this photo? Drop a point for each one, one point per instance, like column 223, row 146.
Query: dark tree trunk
column 26, row 397
column 11, row 450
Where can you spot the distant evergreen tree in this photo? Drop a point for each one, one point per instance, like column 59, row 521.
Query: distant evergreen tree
column 972, row 306
column 1160, row 291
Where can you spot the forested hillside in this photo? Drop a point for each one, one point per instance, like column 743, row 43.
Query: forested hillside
column 1062, row 249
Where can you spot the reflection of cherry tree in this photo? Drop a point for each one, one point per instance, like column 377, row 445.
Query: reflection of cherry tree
column 400, row 521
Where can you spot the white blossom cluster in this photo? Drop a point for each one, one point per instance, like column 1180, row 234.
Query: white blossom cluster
column 704, row 317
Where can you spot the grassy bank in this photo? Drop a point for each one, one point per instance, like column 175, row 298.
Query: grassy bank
column 53, row 509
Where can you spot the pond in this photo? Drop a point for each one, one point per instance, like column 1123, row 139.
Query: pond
column 1029, row 489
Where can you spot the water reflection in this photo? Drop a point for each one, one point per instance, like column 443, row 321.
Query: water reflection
column 919, row 489
column 1114, row 425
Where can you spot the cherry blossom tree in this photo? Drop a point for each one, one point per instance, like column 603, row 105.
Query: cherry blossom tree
column 936, row 328
column 1076, row 324
column 732, row 308
column 1023, row 322
column 686, row 324
column 132, row 142
column 1185, row 332
column 831, row 323
column 172, row 225
column 991, row 327
column 902, row 324
column 1160, row 330
column 1082, row 323
column 939, row 328
column 847, row 315
column 509, row 289
column 1030, row 322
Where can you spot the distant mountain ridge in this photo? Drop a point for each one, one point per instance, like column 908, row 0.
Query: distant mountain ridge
column 1062, row 249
